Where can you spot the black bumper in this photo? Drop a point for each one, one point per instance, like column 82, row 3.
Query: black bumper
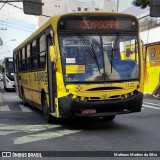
column 71, row 108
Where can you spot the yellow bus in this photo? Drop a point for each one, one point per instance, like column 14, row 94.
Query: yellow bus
column 73, row 66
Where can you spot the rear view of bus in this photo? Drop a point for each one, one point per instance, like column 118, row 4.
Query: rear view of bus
column 8, row 73
column 102, row 65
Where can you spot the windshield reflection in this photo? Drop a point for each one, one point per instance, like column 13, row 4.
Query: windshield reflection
column 99, row 58
column 10, row 70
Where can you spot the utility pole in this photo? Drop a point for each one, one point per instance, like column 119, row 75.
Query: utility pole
column 117, row 5
column 3, row 44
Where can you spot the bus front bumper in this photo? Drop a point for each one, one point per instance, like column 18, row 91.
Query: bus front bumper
column 10, row 85
column 72, row 108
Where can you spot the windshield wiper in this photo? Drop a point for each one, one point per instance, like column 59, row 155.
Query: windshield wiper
column 135, row 49
column 90, row 49
column 113, row 50
column 113, row 53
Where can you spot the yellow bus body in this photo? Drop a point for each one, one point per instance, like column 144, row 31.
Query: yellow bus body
column 152, row 67
column 34, row 83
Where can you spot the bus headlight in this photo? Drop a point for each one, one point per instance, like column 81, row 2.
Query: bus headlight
column 78, row 98
column 129, row 95
column 85, row 99
column 123, row 96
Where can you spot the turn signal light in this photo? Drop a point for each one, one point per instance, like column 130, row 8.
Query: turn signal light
column 123, row 96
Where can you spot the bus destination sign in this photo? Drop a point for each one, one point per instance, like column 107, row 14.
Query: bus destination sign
column 98, row 23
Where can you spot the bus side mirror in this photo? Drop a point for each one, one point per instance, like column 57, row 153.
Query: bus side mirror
column 53, row 56
column 2, row 70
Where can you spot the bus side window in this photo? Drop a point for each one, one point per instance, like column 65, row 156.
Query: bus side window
column 20, row 60
column 14, row 60
column 34, row 61
column 28, row 57
column 23, row 60
column 42, row 52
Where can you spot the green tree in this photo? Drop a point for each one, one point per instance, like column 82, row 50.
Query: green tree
column 141, row 3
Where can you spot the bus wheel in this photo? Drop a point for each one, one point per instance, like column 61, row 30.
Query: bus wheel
column 46, row 110
column 23, row 98
column 109, row 118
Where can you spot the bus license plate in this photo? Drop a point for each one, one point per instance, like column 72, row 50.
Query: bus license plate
column 89, row 111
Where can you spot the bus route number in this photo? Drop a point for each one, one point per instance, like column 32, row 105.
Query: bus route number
column 130, row 85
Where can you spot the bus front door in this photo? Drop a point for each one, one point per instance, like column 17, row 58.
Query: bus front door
column 51, row 77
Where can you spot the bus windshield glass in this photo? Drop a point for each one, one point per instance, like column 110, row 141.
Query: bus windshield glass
column 10, row 69
column 94, row 58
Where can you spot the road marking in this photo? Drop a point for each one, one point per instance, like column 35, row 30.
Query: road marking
column 5, row 108
column 25, row 109
column 144, row 105
column 152, row 104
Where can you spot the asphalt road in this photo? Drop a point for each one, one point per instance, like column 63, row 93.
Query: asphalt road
column 24, row 129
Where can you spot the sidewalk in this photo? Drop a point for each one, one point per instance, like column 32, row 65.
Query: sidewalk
column 149, row 96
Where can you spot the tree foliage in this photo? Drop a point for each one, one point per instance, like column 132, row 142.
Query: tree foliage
column 141, row 3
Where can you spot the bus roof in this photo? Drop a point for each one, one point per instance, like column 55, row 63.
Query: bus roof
column 57, row 17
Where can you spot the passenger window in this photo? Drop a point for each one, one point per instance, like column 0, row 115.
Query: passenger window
column 42, row 52
column 28, row 57
column 15, row 62
column 23, row 60
column 20, row 60
column 34, row 61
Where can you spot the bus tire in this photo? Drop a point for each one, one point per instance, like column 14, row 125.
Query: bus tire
column 46, row 109
column 109, row 118
column 23, row 97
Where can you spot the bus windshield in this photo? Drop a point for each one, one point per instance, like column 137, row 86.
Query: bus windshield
column 10, row 70
column 97, row 58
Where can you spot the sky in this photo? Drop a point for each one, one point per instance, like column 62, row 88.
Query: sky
column 123, row 4
column 14, row 24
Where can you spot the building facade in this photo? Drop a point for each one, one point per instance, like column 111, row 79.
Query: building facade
column 56, row 7
column 109, row 6
column 150, row 36
column 149, row 26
